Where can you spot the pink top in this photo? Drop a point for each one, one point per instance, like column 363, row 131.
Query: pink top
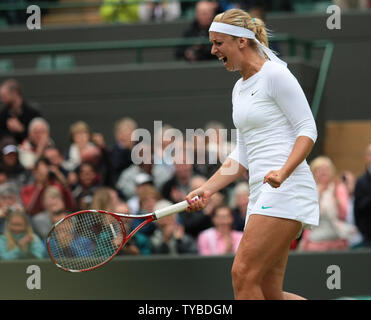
column 212, row 242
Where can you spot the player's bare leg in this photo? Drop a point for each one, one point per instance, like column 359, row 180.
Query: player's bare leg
column 263, row 246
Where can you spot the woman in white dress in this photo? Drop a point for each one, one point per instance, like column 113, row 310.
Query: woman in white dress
column 275, row 133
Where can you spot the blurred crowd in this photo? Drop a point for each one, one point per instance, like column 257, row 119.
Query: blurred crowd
column 137, row 11
column 40, row 184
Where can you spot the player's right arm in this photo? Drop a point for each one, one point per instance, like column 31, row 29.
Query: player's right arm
column 229, row 171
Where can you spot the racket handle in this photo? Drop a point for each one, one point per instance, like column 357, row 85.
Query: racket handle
column 173, row 209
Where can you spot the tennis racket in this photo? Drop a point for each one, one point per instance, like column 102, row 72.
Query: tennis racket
column 87, row 239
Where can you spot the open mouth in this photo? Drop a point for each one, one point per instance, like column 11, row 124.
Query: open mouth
column 224, row 59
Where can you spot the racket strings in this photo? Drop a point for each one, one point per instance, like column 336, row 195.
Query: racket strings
column 86, row 240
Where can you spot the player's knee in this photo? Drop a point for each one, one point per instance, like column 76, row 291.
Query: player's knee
column 245, row 274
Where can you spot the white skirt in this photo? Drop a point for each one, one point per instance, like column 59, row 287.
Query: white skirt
column 296, row 199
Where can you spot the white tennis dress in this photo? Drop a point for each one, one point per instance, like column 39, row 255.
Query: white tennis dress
column 270, row 111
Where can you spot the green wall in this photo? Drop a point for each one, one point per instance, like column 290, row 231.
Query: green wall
column 186, row 277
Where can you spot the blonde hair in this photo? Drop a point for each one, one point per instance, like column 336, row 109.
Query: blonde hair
column 11, row 242
column 323, row 161
column 79, row 126
column 240, row 18
column 148, row 191
column 102, row 199
column 125, row 123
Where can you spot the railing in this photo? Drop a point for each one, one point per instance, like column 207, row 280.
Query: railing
column 140, row 45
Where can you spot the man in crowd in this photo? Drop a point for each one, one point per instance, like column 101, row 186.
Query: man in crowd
column 17, row 113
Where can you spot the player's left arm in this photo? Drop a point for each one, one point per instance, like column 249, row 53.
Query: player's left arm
column 289, row 95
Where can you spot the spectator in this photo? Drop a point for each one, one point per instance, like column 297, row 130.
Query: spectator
column 362, row 201
column 118, row 11
column 333, row 231
column 148, row 197
column 169, row 237
column 82, row 149
column 106, row 199
column 141, row 181
column 176, row 189
column 9, row 201
column 33, row 147
column 88, row 182
column 220, row 239
column 53, row 203
column 14, row 170
column 44, row 176
column 121, row 150
column 349, row 181
column 17, row 113
column 70, row 245
column 104, row 163
column 143, row 156
column 241, row 201
column 56, row 160
column 163, row 151
column 19, row 241
column 195, row 222
column 152, row 10
column 205, row 12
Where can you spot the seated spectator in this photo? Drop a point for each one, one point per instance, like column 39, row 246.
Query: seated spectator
column 333, row 231
column 241, row 201
column 11, row 165
column 210, row 148
column 121, row 151
column 141, row 181
column 362, row 202
column 220, row 239
column 44, row 176
column 106, row 199
column 17, row 113
column 56, row 160
column 349, row 181
column 82, row 149
column 19, row 241
column 70, row 245
column 176, row 189
column 53, row 203
column 148, row 197
column 38, row 139
column 197, row 221
column 9, row 201
column 205, row 12
column 152, row 10
column 163, row 152
column 104, row 164
column 169, row 237
column 88, row 181
column 118, row 11
column 143, row 156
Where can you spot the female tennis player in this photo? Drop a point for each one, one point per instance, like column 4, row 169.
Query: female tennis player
column 275, row 133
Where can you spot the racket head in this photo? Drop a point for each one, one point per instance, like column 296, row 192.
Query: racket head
column 85, row 240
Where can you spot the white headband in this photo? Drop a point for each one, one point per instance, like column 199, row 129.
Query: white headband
column 244, row 33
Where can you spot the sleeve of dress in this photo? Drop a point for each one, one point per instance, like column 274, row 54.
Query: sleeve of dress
column 239, row 152
column 289, row 95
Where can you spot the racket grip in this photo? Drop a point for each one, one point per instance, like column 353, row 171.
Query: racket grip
column 173, row 209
